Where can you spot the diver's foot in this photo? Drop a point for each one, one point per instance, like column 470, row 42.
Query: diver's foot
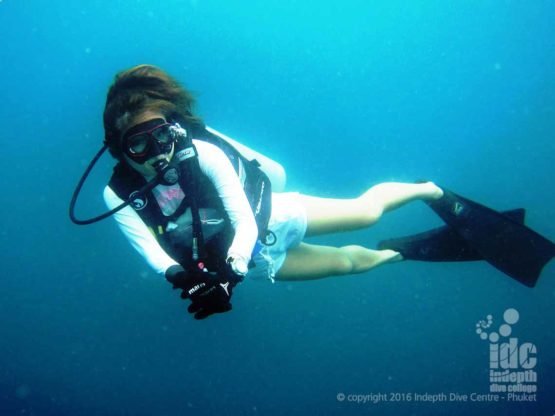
column 363, row 259
column 431, row 191
column 391, row 256
column 386, row 256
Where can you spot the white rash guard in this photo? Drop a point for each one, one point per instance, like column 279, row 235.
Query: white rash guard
column 217, row 167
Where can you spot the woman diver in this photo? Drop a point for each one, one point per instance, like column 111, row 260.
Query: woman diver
column 148, row 121
column 144, row 105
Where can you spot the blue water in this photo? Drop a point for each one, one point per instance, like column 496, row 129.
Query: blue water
column 344, row 95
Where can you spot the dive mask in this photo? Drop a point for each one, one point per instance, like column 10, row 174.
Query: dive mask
column 150, row 139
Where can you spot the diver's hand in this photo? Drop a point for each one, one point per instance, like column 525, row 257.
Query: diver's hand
column 209, row 294
column 238, row 264
column 213, row 298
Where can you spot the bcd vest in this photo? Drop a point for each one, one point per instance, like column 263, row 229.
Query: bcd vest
column 173, row 232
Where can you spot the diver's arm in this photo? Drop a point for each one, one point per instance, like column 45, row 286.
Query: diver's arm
column 215, row 164
column 274, row 170
column 138, row 234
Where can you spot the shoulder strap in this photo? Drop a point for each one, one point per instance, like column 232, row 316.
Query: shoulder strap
column 187, row 157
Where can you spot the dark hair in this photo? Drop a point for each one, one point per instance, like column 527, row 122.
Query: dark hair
column 139, row 89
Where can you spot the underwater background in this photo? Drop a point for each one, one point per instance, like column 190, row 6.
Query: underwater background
column 345, row 94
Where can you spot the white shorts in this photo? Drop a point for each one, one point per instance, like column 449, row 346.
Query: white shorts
column 288, row 222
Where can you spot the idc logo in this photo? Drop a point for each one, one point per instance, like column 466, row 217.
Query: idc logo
column 511, row 361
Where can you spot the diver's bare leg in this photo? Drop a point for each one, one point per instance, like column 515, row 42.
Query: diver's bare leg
column 327, row 215
column 309, row 261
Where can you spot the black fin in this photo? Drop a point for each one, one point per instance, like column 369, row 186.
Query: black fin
column 440, row 244
column 476, row 232
column 508, row 245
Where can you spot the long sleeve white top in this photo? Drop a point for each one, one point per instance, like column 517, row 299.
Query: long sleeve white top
column 217, row 167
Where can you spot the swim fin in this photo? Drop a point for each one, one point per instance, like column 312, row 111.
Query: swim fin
column 476, row 232
column 441, row 244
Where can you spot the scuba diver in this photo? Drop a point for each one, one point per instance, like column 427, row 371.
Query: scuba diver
column 206, row 211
